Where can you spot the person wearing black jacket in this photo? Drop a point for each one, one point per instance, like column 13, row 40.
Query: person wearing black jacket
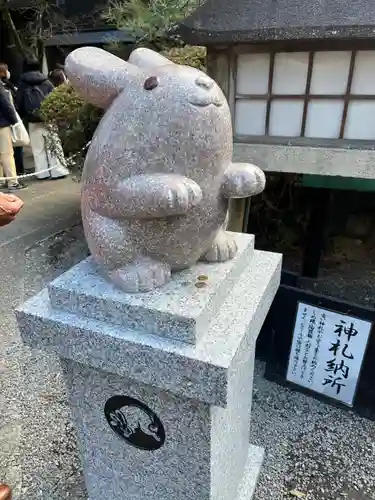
column 32, row 79
column 33, row 88
column 8, row 118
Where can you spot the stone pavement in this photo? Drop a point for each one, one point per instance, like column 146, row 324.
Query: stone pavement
column 50, row 206
column 47, row 204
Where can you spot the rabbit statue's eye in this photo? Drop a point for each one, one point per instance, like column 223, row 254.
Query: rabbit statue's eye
column 151, row 83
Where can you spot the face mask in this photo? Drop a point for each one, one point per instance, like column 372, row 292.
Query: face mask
column 8, row 75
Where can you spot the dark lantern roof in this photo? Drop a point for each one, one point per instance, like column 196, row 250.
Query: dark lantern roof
column 247, row 21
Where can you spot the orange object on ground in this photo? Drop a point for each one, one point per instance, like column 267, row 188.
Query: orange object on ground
column 5, row 492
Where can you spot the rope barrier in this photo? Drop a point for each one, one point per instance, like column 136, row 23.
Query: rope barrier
column 23, row 176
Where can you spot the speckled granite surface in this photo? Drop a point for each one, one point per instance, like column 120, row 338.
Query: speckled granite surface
column 198, row 371
column 182, row 310
column 200, row 392
column 159, row 173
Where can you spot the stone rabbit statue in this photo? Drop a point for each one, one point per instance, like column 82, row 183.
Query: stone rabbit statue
column 159, row 173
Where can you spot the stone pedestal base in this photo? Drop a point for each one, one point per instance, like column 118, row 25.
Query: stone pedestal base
column 251, row 473
column 160, row 384
column 250, row 476
column 204, row 451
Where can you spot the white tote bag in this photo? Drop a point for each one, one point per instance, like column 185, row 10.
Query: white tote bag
column 20, row 137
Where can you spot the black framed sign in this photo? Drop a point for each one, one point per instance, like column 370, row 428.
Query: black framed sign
column 327, row 352
column 135, row 422
column 321, row 346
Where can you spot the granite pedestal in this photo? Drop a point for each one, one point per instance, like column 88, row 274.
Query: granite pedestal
column 160, row 383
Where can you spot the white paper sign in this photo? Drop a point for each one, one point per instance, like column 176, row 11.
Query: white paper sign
column 327, row 352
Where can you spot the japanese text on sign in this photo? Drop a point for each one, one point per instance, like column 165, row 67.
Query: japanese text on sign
column 327, row 352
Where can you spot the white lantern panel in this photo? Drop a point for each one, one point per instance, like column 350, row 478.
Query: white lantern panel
column 360, row 120
column 253, row 73
column 290, row 73
column 286, row 118
column 364, row 73
column 250, row 117
column 324, row 118
column 330, row 73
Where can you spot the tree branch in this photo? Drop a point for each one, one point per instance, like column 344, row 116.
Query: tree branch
column 8, row 20
column 152, row 21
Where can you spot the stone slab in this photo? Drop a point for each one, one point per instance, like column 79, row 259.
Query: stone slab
column 196, row 371
column 251, row 475
column 179, row 310
column 353, row 162
column 116, row 470
column 186, row 466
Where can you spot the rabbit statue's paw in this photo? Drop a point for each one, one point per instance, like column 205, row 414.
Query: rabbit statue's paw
column 223, row 248
column 142, row 275
column 242, row 180
column 182, row 195
column 146, row 197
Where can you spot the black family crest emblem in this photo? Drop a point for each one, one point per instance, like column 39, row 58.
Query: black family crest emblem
column 135, row 422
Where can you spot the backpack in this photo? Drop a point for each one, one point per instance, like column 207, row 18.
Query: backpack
column 32, row 102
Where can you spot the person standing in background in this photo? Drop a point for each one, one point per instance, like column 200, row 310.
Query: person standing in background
column 8, row 118
column 18, row 151
column 33, row 88
column 57, row 77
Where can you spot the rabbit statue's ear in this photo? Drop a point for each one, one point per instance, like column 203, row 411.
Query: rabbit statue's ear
column 145, row 59
column 99, row 76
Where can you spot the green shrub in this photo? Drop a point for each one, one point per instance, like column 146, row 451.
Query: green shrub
column 75, row 120
column 188, row 55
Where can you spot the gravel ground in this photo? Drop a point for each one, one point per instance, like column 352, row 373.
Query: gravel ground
column 313, row 448
column 38, row 453
column 51, row 468
column 351, row 279
column 318, row 450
